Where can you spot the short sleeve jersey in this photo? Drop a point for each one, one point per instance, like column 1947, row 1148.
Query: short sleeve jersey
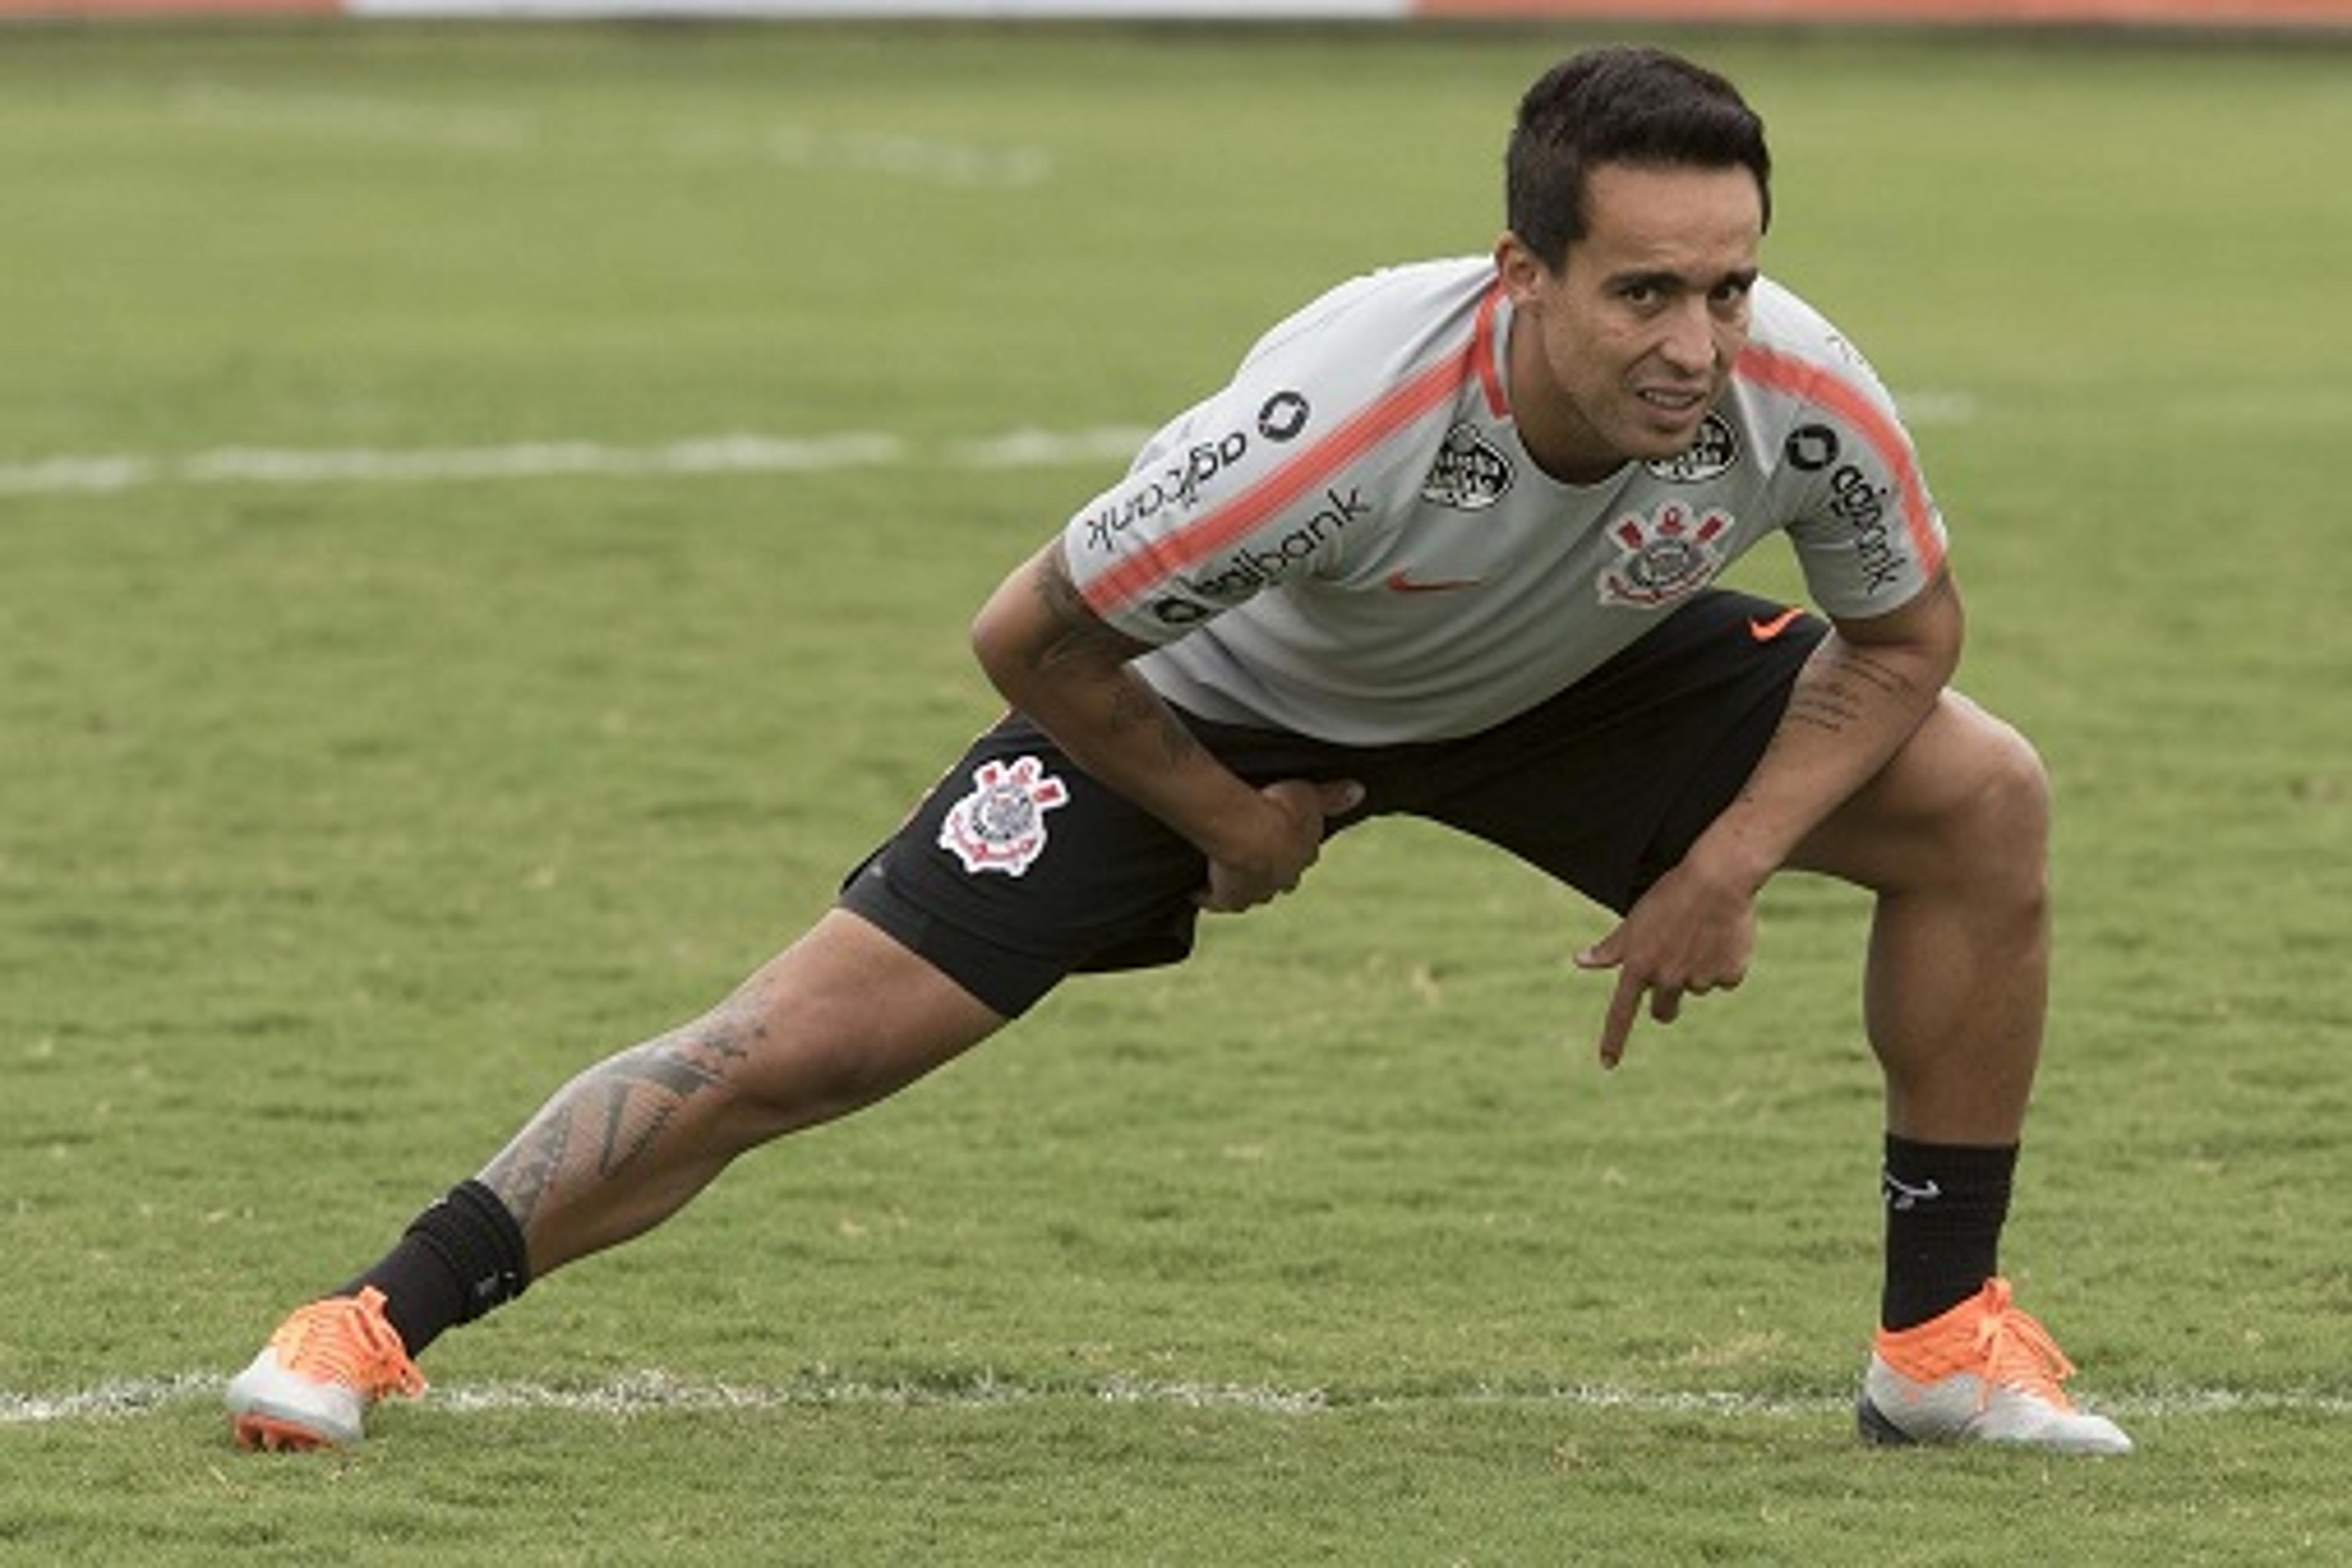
column 1349, row 541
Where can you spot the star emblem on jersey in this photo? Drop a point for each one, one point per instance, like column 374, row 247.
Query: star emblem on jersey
column 1470, row 473
column 1001, row 824
column 1667, row 557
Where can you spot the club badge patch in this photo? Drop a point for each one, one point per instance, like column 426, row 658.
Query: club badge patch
column 1470, row 473
column 1001, row 824
column 1712, row 453
column 1665, row 556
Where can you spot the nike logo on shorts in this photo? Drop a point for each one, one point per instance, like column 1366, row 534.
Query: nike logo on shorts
column 1764, row 629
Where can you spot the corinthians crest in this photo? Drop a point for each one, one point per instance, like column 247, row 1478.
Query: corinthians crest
column 1470, row 473
column 1001, row 824
column 1665, row 556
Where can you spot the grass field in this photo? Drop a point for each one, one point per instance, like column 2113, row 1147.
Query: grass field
column 487, row 520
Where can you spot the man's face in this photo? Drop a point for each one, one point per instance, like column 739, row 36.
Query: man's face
column 1620, row 354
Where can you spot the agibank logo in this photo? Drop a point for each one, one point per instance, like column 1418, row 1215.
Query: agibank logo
column 1270, row 558
column 1001, row 824
column 1668, row 556
column 1177, row 480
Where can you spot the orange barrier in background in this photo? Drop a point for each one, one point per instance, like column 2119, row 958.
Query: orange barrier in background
column 2311, row 15
column 1989, row 13
column 101, row 9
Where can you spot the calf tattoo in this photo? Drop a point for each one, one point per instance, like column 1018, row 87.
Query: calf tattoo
column 601, row 1123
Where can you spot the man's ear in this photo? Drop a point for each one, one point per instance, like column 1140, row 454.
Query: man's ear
column 1521, row 271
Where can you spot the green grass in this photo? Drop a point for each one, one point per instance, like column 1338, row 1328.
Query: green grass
column 343, row 820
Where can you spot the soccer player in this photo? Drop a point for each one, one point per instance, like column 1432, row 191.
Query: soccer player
column 1444, row 546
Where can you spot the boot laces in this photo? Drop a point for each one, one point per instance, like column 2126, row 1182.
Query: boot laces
column 2017, row 1353
column 347, row 1339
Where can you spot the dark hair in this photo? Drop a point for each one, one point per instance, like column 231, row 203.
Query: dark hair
column 1620, row 105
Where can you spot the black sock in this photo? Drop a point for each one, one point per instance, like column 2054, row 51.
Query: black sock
column 459, row 1259
column 1945, row 1203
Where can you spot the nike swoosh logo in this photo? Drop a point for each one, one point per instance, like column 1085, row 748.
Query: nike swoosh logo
column 1766, row 630
column 1400, row 583
column 1902, row 1195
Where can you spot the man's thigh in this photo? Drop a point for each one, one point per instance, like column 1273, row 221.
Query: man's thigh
column 1019, row 867
column 1607, row 785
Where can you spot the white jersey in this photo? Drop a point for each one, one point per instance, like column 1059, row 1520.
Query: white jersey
column 1349, row 541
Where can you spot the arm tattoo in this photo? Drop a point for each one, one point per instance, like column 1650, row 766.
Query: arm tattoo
column 1134, row 705
column 1832, row 698
column 1080, row 633
column 1078, row 630
column 603, row 1122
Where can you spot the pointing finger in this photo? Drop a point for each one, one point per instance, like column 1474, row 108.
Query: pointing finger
column 1624, row 1007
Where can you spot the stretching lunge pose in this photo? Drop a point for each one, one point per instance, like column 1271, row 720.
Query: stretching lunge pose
column 1444, row 546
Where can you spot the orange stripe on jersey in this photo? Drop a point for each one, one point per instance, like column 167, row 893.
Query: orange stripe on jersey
column 1482, row 349
column 1818, row 384
column 1217, row 529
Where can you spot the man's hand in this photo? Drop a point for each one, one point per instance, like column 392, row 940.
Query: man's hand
column 1276, row 847
column 1861, row 696
column 1691, row 934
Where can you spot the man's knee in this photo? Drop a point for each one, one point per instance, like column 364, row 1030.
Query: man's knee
column 2001, row 839
column 1967, row 800
column 844, row 1018
column 2003, row 788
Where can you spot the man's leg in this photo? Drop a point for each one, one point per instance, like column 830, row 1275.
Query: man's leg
column 842, row 1018
column 1953, row 837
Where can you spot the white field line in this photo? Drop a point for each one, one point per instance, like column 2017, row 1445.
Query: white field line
column 888, row 153
column 739, row 453
column 1937, row 406
column 350, row 118
column 656, row 1392
column 320, row 114
column 731, row 454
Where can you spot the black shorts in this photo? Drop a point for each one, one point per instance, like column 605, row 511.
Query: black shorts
column 1018, row 869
